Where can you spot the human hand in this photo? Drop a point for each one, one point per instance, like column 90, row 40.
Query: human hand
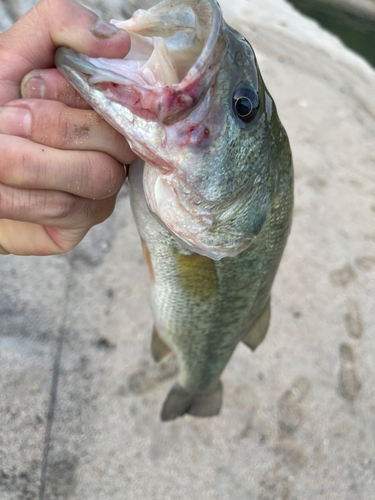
column 61, row 165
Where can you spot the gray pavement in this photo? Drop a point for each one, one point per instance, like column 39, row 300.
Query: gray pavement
column 79, row 393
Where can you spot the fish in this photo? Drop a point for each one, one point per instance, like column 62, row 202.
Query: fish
column 212, row 191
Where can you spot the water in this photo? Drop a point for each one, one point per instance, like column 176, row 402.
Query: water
column 354, row 28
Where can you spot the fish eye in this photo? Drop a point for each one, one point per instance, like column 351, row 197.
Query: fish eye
column 245, row 103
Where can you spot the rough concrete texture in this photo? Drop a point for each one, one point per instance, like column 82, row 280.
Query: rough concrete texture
column 80, row 395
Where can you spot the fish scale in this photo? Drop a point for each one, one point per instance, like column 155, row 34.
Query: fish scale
column 204, row 333
column 213, row 196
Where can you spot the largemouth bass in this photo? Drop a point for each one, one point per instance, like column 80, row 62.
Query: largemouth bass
column 213, row 198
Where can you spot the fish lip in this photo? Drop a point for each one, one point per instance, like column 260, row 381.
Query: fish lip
column 208, row 47
column 72, row 60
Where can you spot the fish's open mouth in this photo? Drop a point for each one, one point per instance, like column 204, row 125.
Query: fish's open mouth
column 173, row 56
column 153, row 60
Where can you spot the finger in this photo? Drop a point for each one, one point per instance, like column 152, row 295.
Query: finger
column 3, row 251
column 49, row 84
column 53, row 208
column 89, row 174
column 26, row 238
column 31, row 43
column 54, row 124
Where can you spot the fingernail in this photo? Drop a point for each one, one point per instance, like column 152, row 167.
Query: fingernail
column 101, row 29
column 33, row 87
column 15, row 121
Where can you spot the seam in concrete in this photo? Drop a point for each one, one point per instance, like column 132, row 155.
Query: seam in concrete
column 54, row 386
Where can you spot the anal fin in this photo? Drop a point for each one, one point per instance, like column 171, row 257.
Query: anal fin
column 257, row 333
column 179, row 402
column 159, row 348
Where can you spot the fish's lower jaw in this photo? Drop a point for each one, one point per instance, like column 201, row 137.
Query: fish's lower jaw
column 180, row 401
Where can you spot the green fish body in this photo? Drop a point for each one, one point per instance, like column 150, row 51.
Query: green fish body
column 213, row 196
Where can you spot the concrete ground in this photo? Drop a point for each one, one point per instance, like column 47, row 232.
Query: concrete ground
column 80, row 395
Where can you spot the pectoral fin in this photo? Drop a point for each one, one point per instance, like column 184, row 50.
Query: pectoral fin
column 256, row 335
column 159, row 348
column 197, row 277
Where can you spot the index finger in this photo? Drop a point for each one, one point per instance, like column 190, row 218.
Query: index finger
column 31, row 43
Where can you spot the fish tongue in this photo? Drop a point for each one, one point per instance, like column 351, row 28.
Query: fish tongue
column 160, row 69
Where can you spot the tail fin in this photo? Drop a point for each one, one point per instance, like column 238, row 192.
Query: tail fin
column 204, row 404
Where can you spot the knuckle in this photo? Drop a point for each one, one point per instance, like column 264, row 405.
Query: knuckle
column 45, row 6
column 106, row 210
column 35, row 202
column 62, row 125
column 7, row 166
column 26, row 173
column 4, row 205
column 50, row 123
column 93, row 213
column 65, row 207
column 22, row 171
column 126, row 155
column 58, row 126
column 105, row 173
column 6, row 56
column 19, row 167
column 65, row 240
column 14, row 204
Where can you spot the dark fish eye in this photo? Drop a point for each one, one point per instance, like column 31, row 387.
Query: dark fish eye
column 245, row 103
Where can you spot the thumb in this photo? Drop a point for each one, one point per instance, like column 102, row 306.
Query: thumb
column 31, row 43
